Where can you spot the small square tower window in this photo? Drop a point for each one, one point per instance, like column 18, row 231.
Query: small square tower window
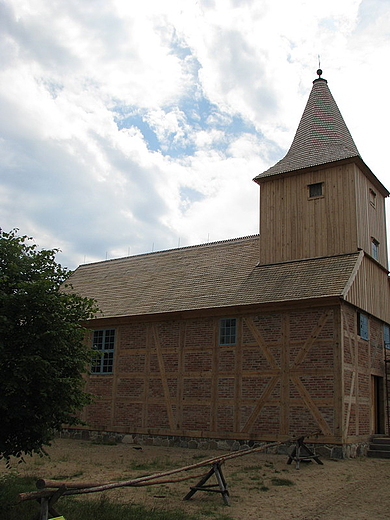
column 315, row 190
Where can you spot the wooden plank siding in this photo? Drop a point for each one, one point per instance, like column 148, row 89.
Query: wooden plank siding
column 361, row 360
column 292, row 226
column 370, row 290
column 173, row 378
column 370, row 217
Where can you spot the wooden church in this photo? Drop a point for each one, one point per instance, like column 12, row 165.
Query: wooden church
column 259, row 338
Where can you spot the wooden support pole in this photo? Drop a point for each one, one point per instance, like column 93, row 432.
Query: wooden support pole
column 151, row 479
column 302, row 452
column 43, row 484
column 47, row 504
column 47, row 497
column 44, row 513
column 221, row 484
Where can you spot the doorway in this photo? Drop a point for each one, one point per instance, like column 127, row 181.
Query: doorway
column 377, row 405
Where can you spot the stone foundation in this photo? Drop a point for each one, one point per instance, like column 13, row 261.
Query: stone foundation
column 327, row 451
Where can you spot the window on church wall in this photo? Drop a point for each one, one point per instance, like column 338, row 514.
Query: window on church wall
column 374, row 248
column 227, row 331
column 316, row 190
column 103, row 344
column 386, row 336
column 362, row 325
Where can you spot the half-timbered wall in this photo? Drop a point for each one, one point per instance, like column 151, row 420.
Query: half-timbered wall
column 280, row 379
column 364, row 407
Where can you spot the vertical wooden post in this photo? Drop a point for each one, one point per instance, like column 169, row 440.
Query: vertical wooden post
column 44, row 513
column 164, row 380
column 238, row 377
column 214, row 376
column 285, row 376
column 222, row 485
column 338, row 365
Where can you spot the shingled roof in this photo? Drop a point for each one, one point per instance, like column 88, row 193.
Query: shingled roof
column 322, row 135
column 221, row 274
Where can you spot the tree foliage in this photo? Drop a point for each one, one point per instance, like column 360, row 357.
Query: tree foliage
column 43, row 355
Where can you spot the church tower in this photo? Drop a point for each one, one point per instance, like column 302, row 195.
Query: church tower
column 321, row 199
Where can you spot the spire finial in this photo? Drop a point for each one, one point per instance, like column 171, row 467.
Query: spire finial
column 319, row 70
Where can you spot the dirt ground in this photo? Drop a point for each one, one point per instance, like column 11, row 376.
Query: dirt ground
column 261, row 486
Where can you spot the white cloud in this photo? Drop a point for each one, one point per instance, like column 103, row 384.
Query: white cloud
column 126, row 127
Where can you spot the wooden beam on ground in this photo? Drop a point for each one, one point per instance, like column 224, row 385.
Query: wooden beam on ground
column 140, row 481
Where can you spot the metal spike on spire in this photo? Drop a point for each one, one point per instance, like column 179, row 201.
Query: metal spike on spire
column 319, row 70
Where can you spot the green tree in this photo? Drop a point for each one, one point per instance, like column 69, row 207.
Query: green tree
column 43, row 355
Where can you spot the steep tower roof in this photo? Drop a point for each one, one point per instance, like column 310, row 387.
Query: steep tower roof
column 322, row 135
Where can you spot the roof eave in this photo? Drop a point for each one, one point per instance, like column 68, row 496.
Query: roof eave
column 261, row 179
column 230, row 310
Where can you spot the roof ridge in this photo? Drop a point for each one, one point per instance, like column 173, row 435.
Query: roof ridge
column 175, row 249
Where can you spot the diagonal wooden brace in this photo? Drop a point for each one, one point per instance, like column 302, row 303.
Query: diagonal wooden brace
column 301, row 452
column 47, row 504
column 221, row 484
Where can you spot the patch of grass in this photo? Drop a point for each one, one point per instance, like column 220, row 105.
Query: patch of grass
column 251, row 468
column 105, row 442
column 101, row 508
column 65, row 458
column 67, row 477
column 154, row 465
column 39, row 461
column 211, row 511
column 282, row 482
column 11, row 485
column 200, row 456
column 105, row 509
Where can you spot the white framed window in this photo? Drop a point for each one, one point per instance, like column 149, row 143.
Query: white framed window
column 227, row 331
column 103, row 343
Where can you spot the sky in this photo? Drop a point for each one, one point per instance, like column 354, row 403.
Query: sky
column 135, row 126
